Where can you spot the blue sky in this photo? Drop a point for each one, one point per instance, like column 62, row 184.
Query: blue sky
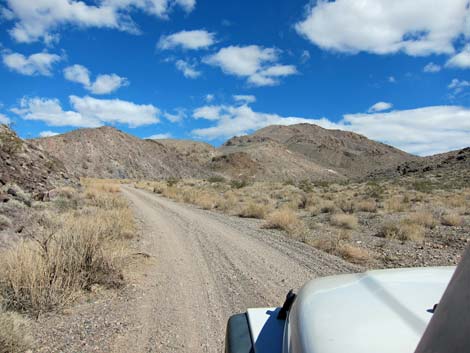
column 397, row 72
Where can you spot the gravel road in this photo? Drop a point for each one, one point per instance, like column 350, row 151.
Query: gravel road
column 208, row 266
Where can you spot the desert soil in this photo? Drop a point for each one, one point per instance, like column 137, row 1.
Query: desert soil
column 203, row 267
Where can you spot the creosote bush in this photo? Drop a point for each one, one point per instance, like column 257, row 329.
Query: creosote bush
column 254, row 210
column 451, row 220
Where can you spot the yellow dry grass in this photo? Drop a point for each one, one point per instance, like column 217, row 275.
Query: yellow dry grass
column 14, row 333
column 344, row 221
column 285, row 219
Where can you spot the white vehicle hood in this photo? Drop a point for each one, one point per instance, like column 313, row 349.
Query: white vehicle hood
column 383, row 311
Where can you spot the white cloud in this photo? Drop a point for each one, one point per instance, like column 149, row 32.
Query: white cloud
column 418, row 27
column 88, row 112
column 460, row 60
column 305, row 56
column 257, row 64
column 458, row 85
column 244, row 98
column 50, row 112
column 188, row 70
column 4, row 119
column 197, row 39
column 432, row 68
column 48, row 133
column 180, row 115
column 379, row 107
column 35, row 64
column 39, row 20
column 208, row 112
column 79, row 74
column 240, row 120
column 166, row 135
column 422, row 131
column 392, row 79
column 209, row 98
column 103, row 84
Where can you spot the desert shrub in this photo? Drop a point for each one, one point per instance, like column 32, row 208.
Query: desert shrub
column 10, row 142
column 18, row 193
column 67, row 253
column 344, row 221
column 15, row 334
column 5, row 222
column 206, row 200
column 11, row 207
column 425, row 186
column 216, row 179
column 368, row 205
column 254, row 210
column 451, row 220
column 305, row 186
column 64, row 204
column 327, row 206
column 285, row 219
column 353, row 253
column 345, row 205
column 238, row 184
column 403, row 230
column 425, row 219
column 172, row 181
column 375, row 190
column 396, row 203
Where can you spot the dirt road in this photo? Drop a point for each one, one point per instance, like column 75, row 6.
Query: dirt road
column 208, row 266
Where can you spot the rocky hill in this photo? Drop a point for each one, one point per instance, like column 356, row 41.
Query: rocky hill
column 451, row 167
column 106, row 152
column 196, row 152
column 26, row 165
column 323, row 152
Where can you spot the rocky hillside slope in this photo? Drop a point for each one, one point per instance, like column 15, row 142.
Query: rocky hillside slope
column 335, row 153
column 451, row 167
column 26, row 165
column 106, row 152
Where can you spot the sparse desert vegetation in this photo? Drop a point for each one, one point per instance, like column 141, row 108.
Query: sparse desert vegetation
column 389, row 223
column 77, row 240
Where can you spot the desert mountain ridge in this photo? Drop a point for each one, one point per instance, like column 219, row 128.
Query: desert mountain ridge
column 274, row 153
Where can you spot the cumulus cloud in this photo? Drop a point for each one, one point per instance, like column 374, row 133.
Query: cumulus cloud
column 383, row 26
column 197, row 39
column 166, row 135
column 87, row 112
column 458, row 86
column 244, row 98
column 48, row 133
column 178, row 116
column 40, row 20
column 188, row 70
column 4, row 119
column 209, row 98
column 432, row 68
column 421, row 131
column 257, row 64
column 379, row 107
column 240, row 120
column 103, row 84
column 35, row 64
column 460, row 60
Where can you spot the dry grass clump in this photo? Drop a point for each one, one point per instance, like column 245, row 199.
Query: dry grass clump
column 344, row 221
column 354, row 254
column 206, row 201
column 396, row 203
column 337, row 245
column 14, row 333
column 425, row 219
column 451, row 220
column 285, row 219
column 327, row 206
column 403, row 230
column 68, row 252
column 5, row 222
column 367, row 206
column 254, row 210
